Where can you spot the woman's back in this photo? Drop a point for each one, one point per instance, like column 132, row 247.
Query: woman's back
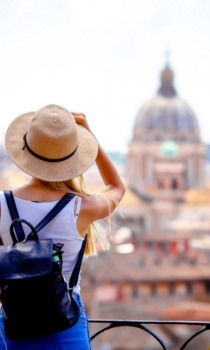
column 62, row 229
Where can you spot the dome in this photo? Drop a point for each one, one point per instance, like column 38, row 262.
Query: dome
column 166, row 116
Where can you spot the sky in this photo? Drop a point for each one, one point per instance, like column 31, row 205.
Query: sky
column 103, row 58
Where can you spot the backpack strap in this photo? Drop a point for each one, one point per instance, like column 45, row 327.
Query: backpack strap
column 57, row 208
column 75, row 273
column 54, row 211
column 15, row 215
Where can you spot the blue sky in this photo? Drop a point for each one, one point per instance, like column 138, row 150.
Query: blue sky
column 103, row 58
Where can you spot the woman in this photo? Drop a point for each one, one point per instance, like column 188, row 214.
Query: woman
column 55, row 147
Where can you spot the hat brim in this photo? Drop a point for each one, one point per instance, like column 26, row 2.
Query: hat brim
column 82, row 159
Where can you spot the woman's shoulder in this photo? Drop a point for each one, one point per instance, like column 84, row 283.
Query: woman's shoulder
column 37, row 194
column 95, row 206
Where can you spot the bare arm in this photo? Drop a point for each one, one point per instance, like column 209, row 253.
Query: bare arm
column 97, row 207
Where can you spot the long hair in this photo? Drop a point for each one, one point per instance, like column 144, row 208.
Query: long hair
column 96, row 238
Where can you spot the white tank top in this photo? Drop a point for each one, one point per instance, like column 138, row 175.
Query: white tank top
column 62, row 229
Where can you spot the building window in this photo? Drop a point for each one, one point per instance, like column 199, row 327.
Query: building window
column 207, row 287
column 174, row 184
column 135, row 292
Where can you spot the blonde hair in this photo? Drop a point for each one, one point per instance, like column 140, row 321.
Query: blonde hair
column 96, row 238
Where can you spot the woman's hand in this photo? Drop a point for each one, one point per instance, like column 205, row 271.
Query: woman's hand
column 81, row 119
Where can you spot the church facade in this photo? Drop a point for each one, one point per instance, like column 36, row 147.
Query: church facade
column 166, row 155
column 155, row 269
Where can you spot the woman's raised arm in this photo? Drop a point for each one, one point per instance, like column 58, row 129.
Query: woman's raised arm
column 100, row 206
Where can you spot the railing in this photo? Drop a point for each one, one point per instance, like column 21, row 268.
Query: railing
column 143, row 325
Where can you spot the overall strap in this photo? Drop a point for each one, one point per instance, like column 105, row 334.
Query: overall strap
column 53, row 212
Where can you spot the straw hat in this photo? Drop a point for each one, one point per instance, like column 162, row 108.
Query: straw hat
column 49, row 145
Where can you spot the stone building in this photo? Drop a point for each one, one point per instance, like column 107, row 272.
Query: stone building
column 166, row 155
column 155, row 268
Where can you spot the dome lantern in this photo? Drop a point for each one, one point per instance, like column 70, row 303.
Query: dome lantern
column 166, row 88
